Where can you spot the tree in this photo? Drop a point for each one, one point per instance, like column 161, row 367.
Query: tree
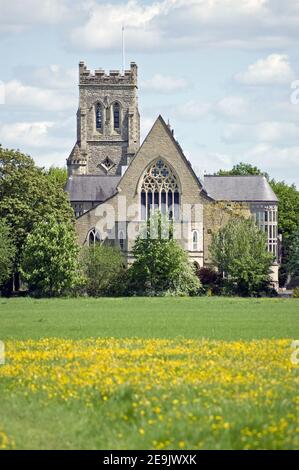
column 239, row 252
column 243, row 169
column 288, row 208
column 288, row 211
column 27, row 196
column 50, row 259
column 293, row 262
column 7, row 252
column 161, row 266
column 58, row 175
column 102, row 268
column 288, row 197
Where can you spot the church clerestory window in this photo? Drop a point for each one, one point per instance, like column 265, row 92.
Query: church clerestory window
column 160, row 191
column 116, row 116
column 99, row 116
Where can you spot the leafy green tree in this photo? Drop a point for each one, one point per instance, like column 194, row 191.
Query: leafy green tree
column 288, row 224
column 7, row 252
column 27, row 196
column 161, row 266
column 103, row 270
column 238, row 251
column 288, row 207
column 58, row 175
column 293, row 262
column 288, row 211
column 50, row 259
column 243, row 169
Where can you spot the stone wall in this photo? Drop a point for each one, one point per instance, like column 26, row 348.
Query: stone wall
column 159, row 144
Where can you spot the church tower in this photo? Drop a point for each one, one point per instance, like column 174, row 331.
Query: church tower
column 108, row 122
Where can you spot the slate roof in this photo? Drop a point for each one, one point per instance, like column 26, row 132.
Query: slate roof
column 239, row 188
column 91, row 188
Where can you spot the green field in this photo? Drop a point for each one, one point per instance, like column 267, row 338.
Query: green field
column 214, row 318
column 161, row 373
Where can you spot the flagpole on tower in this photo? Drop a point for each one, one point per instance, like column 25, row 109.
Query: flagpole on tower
column 123, row 49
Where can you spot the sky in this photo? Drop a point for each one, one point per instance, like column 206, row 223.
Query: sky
column 225, row 73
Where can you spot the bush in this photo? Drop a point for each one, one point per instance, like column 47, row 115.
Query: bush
column 161, row 265
column 211, row 280
column 296, row 293
column 103, row 270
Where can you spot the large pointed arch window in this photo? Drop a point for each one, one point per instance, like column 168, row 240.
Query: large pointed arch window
column 160, row 191
column 99, row 116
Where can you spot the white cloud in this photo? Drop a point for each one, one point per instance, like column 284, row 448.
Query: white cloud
column 17, row 15
column 47, row 158
column 181, row 24
column 102, row 30
column 232, row 106
column 31, row 134
column 53, row 76
column 160, row 24
column 261, row 132
column 24, row 96
column 208, row 161
column 146, row 124
column 280, row 161
column 164, row 84
column 192, row 110
column 37, row 137
column 274, row 69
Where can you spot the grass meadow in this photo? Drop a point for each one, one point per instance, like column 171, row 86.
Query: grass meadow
column 142, row 373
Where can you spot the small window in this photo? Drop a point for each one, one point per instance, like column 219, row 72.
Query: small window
column 78, row 208
column 121, row 240
column 116, row 116
column 195, row 240
column 107, row 164
column 99, row 116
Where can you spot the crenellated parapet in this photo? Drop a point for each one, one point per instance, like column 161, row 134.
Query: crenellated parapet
column 114, row 77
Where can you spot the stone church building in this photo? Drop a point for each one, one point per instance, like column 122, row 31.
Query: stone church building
column 114, row 182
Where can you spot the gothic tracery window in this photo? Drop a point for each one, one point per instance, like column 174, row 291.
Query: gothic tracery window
column 99, row 116
column 160, row 191
column 93, row 237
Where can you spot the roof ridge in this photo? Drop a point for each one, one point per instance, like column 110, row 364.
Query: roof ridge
column 235, row 176
column 97, row 176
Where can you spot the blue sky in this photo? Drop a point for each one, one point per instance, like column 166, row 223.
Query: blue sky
column 220, row 70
